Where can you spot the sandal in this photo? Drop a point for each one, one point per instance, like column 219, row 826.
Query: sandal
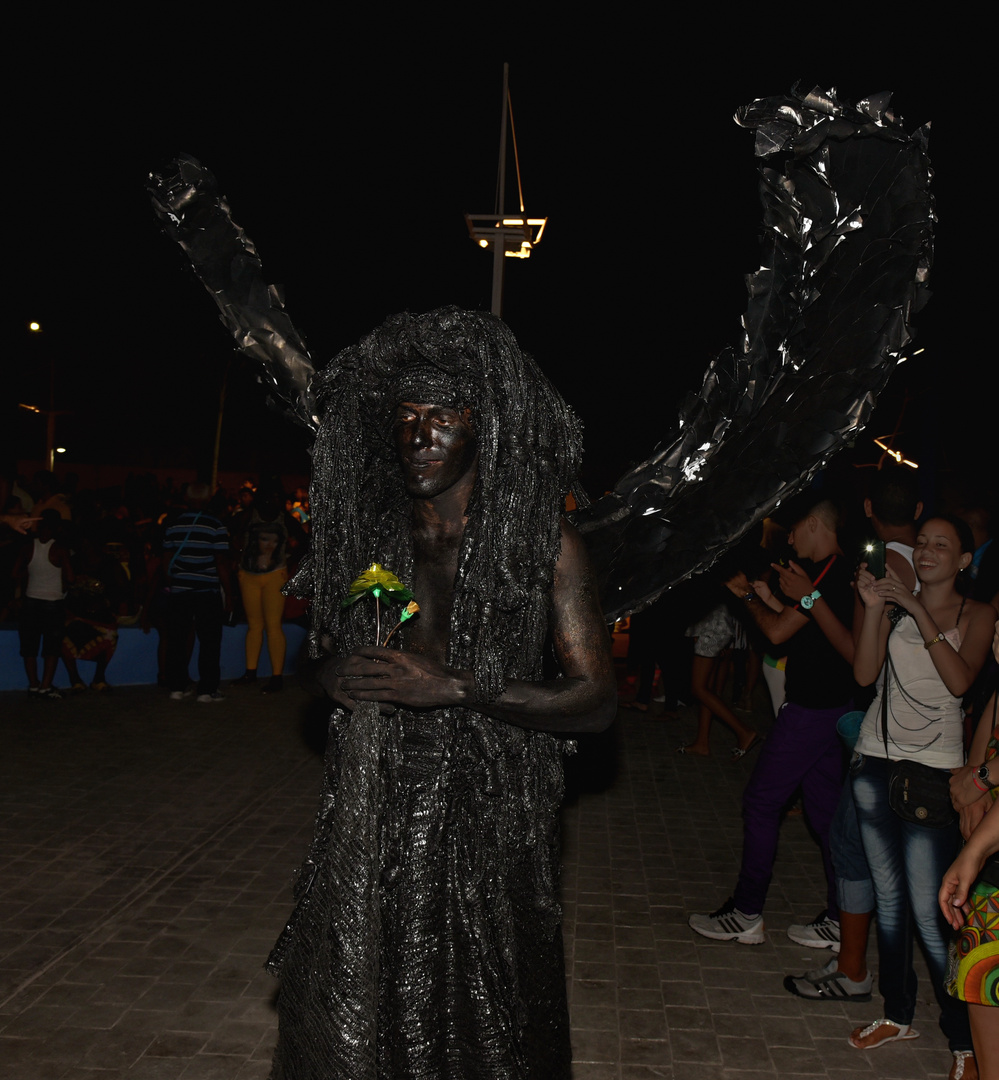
column 965, row 1067
column 903, row 1031
column 738, row 752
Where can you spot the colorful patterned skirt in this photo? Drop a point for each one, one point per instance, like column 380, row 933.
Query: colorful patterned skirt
column 974, row 967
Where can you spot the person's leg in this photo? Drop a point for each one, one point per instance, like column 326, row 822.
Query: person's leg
column 208, row 625
column 702, row 674
column 29, row 631
column 854, row 888
column 250, row 588
column 881, row 833
column 928, row 854
column 272, row 608
column 53, row 631
column 985, row 1036
column 821, row 789
column 178, row 613
column 784, row 758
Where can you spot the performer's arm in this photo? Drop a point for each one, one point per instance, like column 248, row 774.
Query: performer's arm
column 584, row 699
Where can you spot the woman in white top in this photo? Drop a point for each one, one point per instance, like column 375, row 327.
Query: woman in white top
column 932, row 645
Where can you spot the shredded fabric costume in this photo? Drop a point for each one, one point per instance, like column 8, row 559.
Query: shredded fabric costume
column 427, row 938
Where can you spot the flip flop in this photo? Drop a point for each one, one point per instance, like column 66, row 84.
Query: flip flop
column 738, row 752
column 904, row 1032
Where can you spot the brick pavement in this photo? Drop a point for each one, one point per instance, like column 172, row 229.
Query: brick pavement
column 148, row 846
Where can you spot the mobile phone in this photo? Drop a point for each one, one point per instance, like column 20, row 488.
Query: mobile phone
column 874, row 556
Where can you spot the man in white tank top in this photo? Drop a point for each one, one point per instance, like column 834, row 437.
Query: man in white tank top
column 44, row 571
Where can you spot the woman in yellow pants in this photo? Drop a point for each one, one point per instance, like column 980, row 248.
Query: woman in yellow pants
column 262, row 575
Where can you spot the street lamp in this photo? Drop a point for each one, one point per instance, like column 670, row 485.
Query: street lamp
column 506, row 235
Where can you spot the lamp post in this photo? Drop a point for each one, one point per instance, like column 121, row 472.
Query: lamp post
column 50, row 413
column 506, row 235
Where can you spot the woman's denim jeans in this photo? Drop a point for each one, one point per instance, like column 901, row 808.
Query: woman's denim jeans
column 907, row 862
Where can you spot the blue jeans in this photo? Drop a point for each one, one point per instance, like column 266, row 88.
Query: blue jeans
column 854, row 888
column 907, row 862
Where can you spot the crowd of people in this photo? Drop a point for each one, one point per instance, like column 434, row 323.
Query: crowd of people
column 887, row 650
column 76, row 565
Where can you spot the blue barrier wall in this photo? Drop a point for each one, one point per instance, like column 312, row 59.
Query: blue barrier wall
column 134, row 661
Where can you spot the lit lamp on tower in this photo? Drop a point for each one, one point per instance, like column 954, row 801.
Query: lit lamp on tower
column 506, row 235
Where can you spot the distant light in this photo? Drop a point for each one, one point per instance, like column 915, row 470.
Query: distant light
column 60, row 449
column 34, row 327
column 483, row 243
column 894, row 454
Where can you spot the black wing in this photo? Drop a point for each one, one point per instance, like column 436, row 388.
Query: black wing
column 847, row 243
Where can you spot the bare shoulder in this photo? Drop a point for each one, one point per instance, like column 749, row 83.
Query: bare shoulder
column 902, row 567
column 981, row 616
column 977, row 637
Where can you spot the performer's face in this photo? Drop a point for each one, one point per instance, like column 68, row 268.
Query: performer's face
column 436, row 446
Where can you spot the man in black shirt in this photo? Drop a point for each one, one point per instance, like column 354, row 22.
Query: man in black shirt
column 811, row 613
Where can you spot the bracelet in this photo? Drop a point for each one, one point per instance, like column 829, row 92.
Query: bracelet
column 933, row 641
column 974, row 777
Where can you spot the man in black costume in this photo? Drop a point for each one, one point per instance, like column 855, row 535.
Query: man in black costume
column 427, row 942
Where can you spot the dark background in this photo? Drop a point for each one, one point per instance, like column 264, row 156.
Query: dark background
column 349, row 154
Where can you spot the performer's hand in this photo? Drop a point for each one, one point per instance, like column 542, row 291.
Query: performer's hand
column 794, row 582
column 399, row 678
column 739, row 584
column 330, row 677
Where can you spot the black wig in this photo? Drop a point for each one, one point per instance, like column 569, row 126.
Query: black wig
column 529, row 445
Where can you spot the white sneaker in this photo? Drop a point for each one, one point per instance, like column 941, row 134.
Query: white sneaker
column 179, row 695
column 215, row 695
column 828, row 984
column 823, row 933
column 729, row 924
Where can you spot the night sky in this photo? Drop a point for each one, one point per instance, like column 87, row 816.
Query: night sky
column 351, row 167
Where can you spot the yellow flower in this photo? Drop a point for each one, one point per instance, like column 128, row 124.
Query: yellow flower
column 378, row 582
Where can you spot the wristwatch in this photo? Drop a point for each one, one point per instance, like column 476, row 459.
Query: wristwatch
column 808, row 601
column 982, row 772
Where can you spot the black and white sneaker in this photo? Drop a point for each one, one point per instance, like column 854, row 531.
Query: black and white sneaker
column 729, row 924
column 821, row 934
column 828, row 984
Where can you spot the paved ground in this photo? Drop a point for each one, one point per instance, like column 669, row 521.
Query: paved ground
column 146, row 854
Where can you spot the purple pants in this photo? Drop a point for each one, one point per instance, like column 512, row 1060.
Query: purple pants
column 803, row 748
